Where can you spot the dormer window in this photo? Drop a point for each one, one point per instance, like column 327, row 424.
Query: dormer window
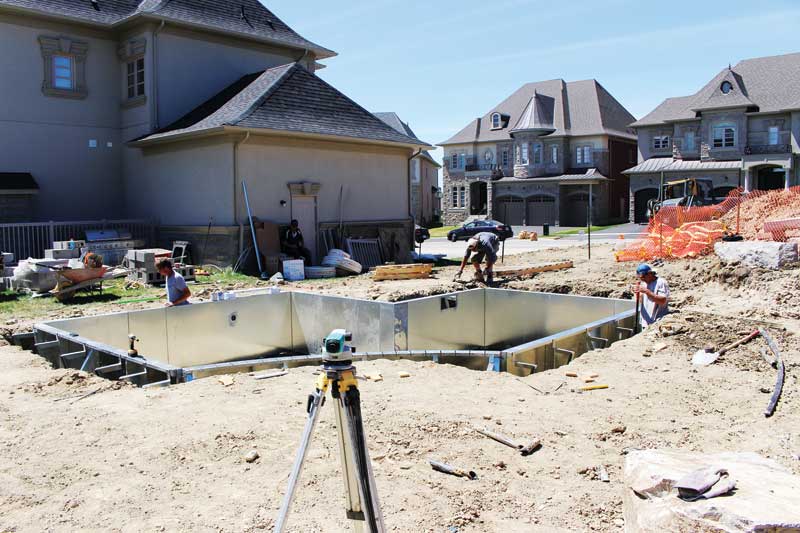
column 497, row 121
column 726, row 87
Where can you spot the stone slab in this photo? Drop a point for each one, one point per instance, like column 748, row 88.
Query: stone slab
column 75, row 253
column 763, row 254
column 766, row 498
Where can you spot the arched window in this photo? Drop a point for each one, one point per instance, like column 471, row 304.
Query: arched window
column 724, row 135
column 726, row 87
column 496, row 122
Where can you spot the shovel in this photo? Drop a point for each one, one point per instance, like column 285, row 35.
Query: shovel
column 706, row 357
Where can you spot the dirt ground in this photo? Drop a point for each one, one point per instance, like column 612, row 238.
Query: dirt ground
column 173, row 459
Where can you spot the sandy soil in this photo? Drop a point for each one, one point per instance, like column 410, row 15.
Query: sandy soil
column 172, row 459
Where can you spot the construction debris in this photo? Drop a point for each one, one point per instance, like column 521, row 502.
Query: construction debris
column 396, row 272
column 453, row 471
column 524, row 449
column 776, row 393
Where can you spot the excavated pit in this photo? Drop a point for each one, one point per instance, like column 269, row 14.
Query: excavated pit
column 483, row 329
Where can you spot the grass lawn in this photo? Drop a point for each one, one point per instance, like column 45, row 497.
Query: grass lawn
column 577, row 230
column 441, row 232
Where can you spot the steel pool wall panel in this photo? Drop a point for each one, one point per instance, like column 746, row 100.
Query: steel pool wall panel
column 111, row 329
column 314, row 316
column 448, row 322
column 243, row 328
column 150, row 327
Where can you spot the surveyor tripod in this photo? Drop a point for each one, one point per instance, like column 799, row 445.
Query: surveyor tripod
column 361, row 495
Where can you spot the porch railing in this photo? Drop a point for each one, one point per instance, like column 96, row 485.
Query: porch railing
column 768, row 149
column 31, row 239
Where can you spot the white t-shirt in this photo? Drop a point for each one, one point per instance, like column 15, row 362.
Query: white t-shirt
column 650, row 311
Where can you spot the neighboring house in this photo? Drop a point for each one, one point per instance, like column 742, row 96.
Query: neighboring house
column 742, row 127
column 161, row 108
column 528, row 160
column 425, row 193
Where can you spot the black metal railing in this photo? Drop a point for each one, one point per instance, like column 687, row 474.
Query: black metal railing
column 768, row 149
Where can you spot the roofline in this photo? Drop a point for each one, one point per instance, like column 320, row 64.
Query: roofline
column 18, row 191
column 320, row 51
column 714, row 108
column 220, row 130
column 429, row 158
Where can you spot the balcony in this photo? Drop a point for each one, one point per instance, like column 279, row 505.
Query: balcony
column 756, row 149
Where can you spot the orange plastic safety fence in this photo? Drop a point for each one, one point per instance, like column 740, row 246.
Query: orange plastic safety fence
column 685, row 232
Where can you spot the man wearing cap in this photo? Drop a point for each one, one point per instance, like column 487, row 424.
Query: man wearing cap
column 484, row 245
column 654, row 294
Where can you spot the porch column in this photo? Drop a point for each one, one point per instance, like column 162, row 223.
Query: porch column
column 748, row 180
column 489, row 199
column 788, row 177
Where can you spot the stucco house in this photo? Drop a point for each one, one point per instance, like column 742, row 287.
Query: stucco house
column 425, row 192
column 742, row 126
column 161, row 108
column 528, row 160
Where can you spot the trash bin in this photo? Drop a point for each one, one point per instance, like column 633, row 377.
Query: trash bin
column 546, row 230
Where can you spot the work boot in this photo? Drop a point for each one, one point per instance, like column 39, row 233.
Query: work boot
column 489, row 278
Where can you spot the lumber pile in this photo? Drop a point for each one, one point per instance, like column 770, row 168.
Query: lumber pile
column 527, row 270
column 395, row 272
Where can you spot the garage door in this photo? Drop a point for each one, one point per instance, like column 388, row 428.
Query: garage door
column 541, row 210
column 510, row 210
column 576, row 209
column 640, row 199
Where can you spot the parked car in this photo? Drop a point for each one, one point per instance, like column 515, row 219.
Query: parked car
column 421, row 234
column 478, row 226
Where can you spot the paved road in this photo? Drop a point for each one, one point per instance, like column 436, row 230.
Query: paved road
column 516, row 246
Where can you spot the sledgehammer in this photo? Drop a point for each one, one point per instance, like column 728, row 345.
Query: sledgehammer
column 525, row 450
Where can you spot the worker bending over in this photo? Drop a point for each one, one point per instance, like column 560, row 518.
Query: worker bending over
column 294, row 245
column 177, row 291
column 653, row 294
column 484, row 245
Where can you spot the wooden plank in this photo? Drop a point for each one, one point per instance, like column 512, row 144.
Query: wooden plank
column 401, row 275
column 535, row 269
column 405, row 268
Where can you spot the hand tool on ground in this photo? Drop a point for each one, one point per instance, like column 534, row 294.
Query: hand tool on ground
column 705, row 357
column 776, row 393
column 453, row 471
column 524, row 449
column 339, row 375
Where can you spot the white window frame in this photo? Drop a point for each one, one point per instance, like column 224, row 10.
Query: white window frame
column 537, row 154
column 773, row 140
column 454, row 160
column 587, row 155
column 505, row 159
column 524, row 157
column 462, row 196
column 135, row 78
column 661, row 142
column 462, row 160
column 720, row 137
column 59, row 75
column 497, row 121
column 454, row 197
column 689, row 141
column 554, row 154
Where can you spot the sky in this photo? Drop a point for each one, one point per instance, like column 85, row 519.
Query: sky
column 441, row 63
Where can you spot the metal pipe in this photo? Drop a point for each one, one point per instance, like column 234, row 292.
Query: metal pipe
column 154, row 75
column 253, row 230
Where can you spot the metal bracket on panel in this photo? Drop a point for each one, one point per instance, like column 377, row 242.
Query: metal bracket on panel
column 164, row 383
column 522, row 364
column 116, row 367
column 630, row 331
column 134, row 375
column 73, row 355
column 570, row 353
column 45, row 345
column 603, row 339
column 448, row 302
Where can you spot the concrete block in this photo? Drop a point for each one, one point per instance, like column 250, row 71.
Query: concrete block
column 767, row 495
column 75, row 253
column 64, row 245
column 764, row 254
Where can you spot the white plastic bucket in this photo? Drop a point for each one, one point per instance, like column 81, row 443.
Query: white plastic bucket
column 294, row 270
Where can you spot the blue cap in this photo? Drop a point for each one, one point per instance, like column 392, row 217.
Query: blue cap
column 643, row 269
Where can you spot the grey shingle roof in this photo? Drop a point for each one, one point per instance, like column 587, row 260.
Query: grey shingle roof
column 289, row 99
column 395, row 122
column 244, row 17
column 590, row 176
column 578, row 108
column 667, row 164
column 767, row 83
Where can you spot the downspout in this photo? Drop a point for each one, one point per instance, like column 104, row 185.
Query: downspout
column 408, row 169
column 154, row 76
column 236, row 189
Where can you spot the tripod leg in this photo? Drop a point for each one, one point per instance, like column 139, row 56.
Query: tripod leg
column 357, row 447
column 314, row 408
